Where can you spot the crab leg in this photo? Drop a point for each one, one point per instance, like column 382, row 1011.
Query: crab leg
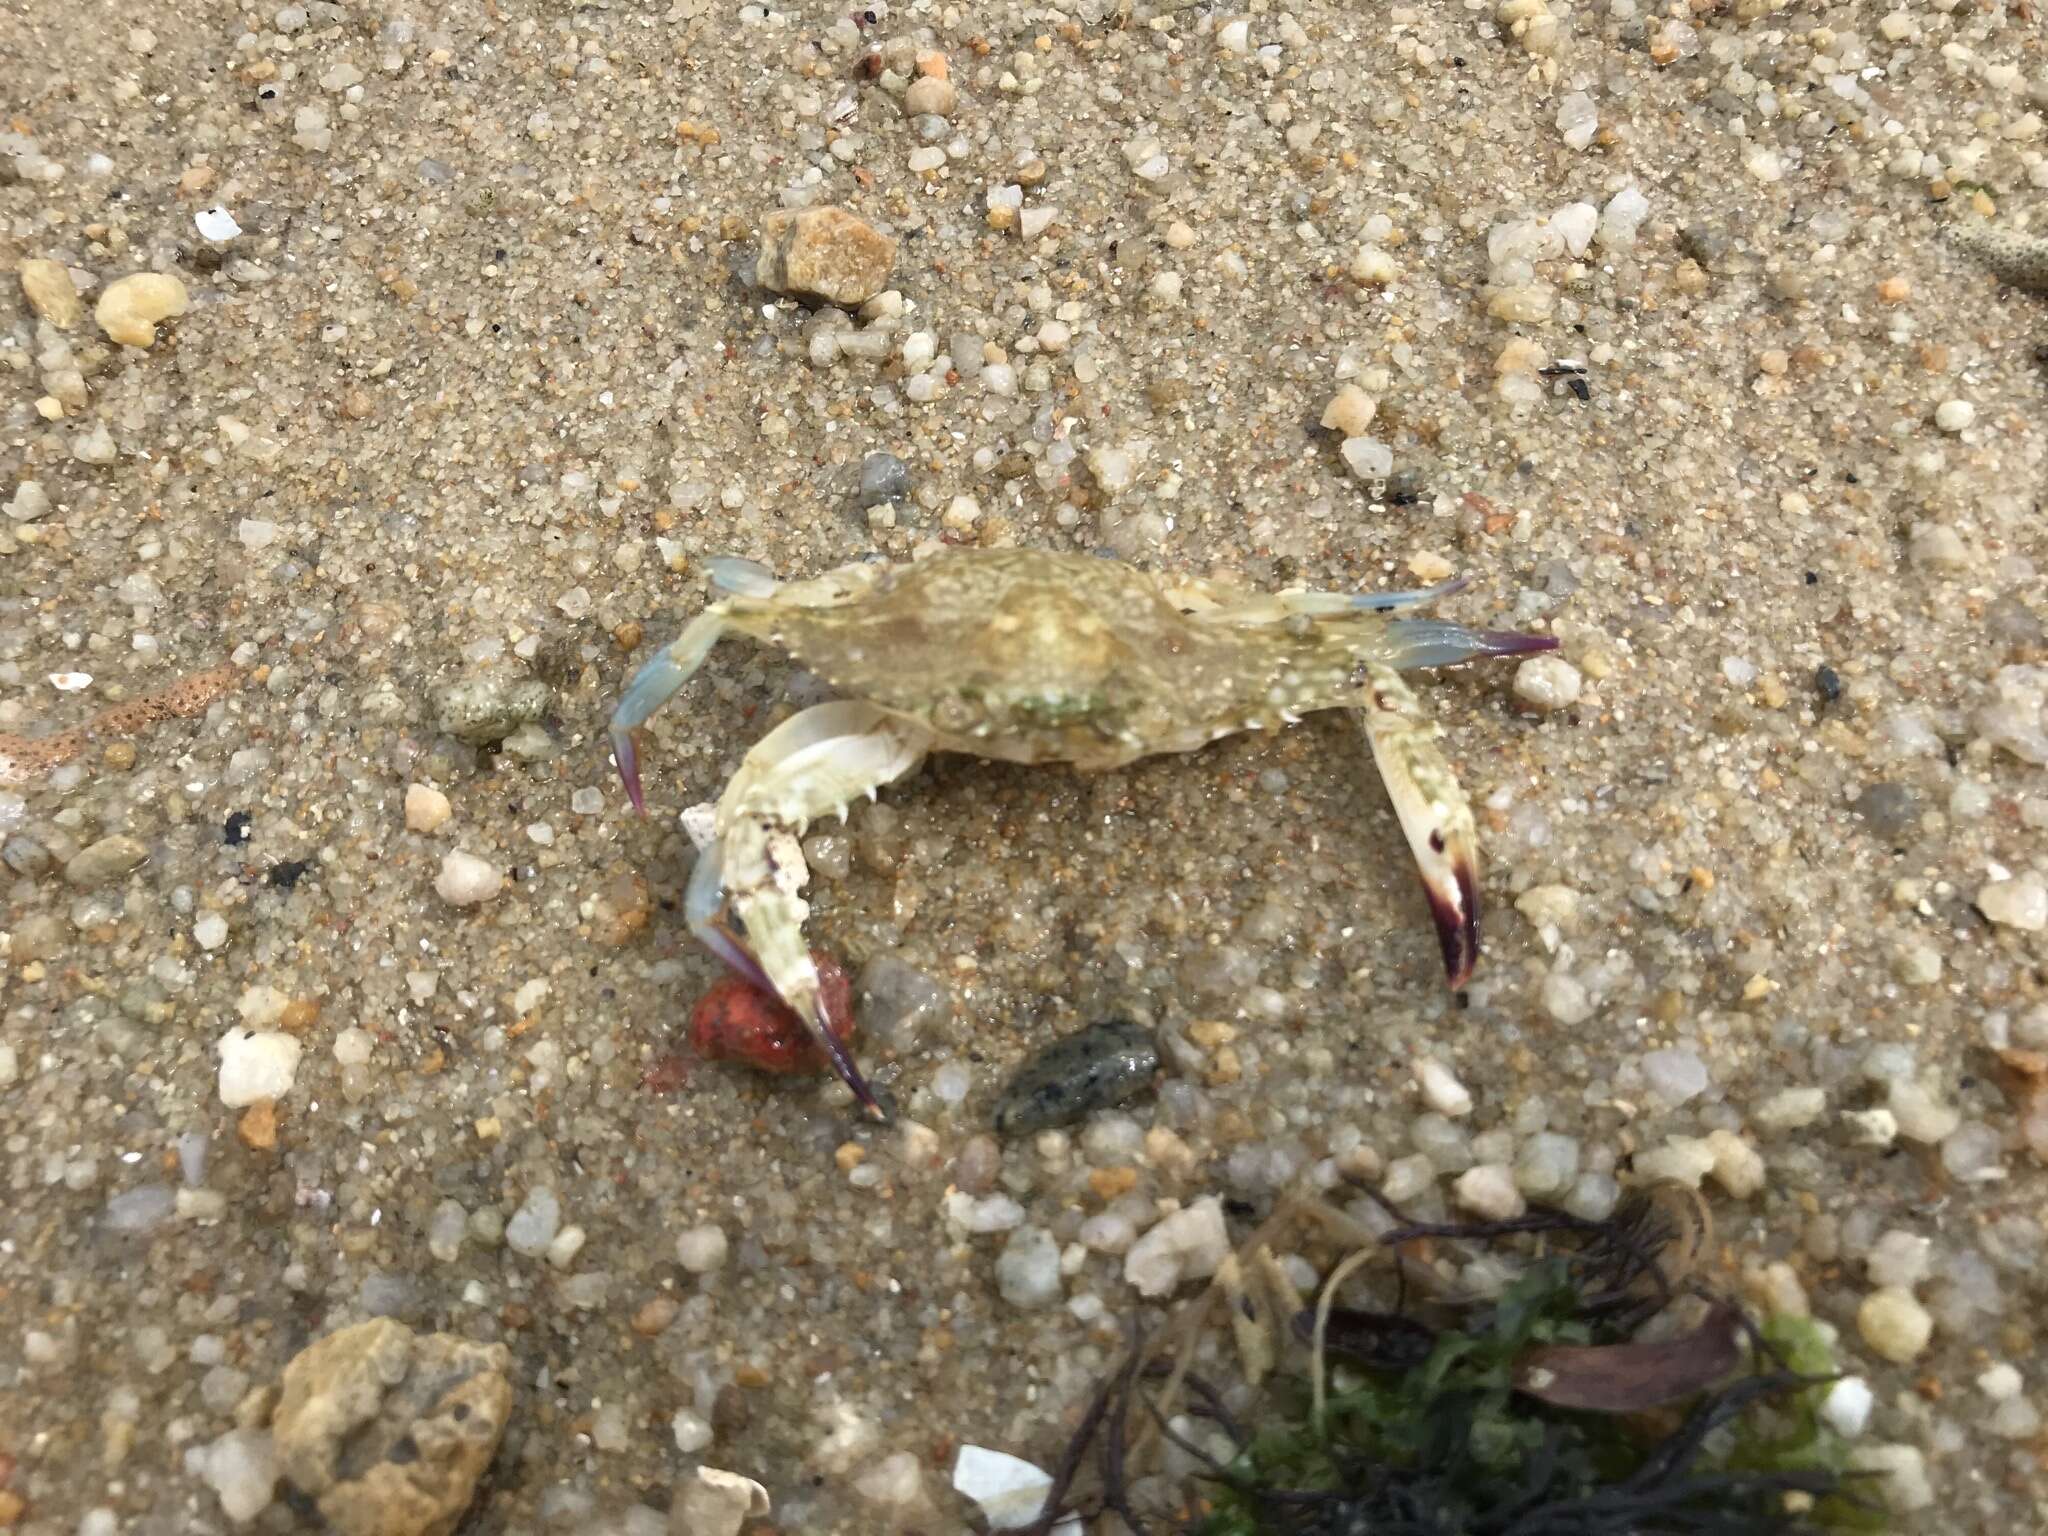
column 818, row 761
column 653, row 686
column 1432, row 810
column 1200, row 599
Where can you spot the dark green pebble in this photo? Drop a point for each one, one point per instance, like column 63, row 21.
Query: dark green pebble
column 1076, row 1075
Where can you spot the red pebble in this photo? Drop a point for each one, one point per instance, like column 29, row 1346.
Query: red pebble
column 737, row 1021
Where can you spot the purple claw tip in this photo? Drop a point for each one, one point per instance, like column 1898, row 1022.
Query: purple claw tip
column 1457, row 930
column 1506, row 642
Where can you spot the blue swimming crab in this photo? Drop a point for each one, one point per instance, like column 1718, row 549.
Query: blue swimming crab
column 1030, row 657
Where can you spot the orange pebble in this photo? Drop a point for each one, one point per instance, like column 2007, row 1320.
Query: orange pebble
column 933, row 65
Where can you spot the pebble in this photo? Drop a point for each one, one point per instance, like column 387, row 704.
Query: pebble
column 1889, row 809
column 388, row 1431
column 257, row 1064
column 1954, row 416
column 1095, row 1068
column 1893, row 1324
column 1920, row 1116
column 1675, row 1075
column 466, row 879
column 1028, row 1269
column 487, row 707
column 2020, row 902
column 1791, row 1109
column 29, row 502
column 534, row 1224
column 1489, row 1192
column 883, row 478
column 1847, row 1406
column 50, row 292
column 1367, row 458
column 1011, row 1491
column 1899, row 1258
column 898, row 1003
column 241, row 1469
column 1566, row 999
column 1900, row 1473
column 933, row 94
column 716, row 1503
column 131, row 307
column 105, row 861
column 1546, row 1164
column 824, row 254
column 1548, row 682
column 1441, row 1090
column 693, row 1433
column 426, row 808
column 95, row 446
column 990, row 1213
column 1350, row 411
column 701, row 1250
column 895, row 1482
column 1738, row 1167
column 210, row 930
column 1186, row 1245
column 1114, row 470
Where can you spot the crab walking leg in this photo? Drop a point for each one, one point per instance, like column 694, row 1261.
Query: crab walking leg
column 653, row 686
column 1432, row 810
column 816, row 762
column 1203, row 600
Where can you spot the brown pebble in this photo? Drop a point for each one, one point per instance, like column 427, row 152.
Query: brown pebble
column 729, row 1411
column 1014, row 465
column 628, row 635
column 299, row 1015
column 118, row 755
column 1166, row 393
column 258, row 1126
column 624, row 906
column 750, row 1376
column 654, row 1316
column 851, row 1155
column 1894, row 290
column 357, row 404
column 12, row 1507
column 1107, row 1183
column 1031, row 172
column 933, row 65
column 197, row 179
column 1934, row 357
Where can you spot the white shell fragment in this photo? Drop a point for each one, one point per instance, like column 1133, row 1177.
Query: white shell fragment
column 717, row 1503
column 70, row 682
column 1010, row 1490
column 216, row 224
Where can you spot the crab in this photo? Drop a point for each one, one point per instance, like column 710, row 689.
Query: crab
column 1026, row 656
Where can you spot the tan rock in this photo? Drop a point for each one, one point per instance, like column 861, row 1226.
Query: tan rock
column 824, row 253
column 387, row 1430
column 51, row 292
column 131, row 307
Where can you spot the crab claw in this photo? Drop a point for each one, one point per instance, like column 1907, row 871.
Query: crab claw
column 627, row 757
column 1433, row 814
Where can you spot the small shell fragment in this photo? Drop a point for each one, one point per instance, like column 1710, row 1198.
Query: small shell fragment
column 216, row 224
column 70, row 682
column 1010, row 1490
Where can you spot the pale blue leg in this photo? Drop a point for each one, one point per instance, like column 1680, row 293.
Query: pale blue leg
column 1437, row 643
column 652, row 686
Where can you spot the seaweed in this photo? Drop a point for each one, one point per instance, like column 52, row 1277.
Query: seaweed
column 1546, row 1409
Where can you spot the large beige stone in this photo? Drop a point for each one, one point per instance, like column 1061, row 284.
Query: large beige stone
column 388, row 1431
column 824, row 253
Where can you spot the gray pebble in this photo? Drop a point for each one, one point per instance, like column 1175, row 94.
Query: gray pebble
column 883, row 477
column 105, row 861
column 1890, row 809
column 25, row 856
column 1091, row 1069
column 483, row 710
